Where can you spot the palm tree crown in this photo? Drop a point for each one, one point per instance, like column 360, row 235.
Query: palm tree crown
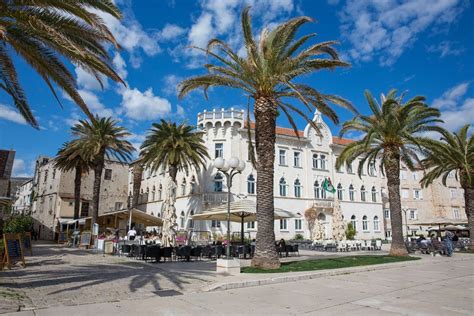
column 393, row 127
column 69, row 158
column 453, row 153
column 270, row 68
column 169, row 144
column 44, row 33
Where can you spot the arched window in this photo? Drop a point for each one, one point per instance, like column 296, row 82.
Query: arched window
column 354, row 222
column 372, row 169
column 183, row 187
column 141, row 197
column 160, row 190
column 181, row 219
column 191, row 222
column 365, row 223
column 193, row 185
column 339, row 192
column 315, row 161
column 250, row 184
column 322, row 217
column 374, row 194
column 317, row 191
column 322, row 164
column 218, row 183
column 351, row 192
column 153, row 194
column 147, row 195
column 363, row 193
column 297, row 188
column 282, row 187
column 376, row 224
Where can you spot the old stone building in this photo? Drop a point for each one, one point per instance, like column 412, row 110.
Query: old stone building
column 6, row 165
column 53, row 194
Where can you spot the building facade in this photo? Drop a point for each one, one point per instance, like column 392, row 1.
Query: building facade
column 22, row 196
column 52, row 194
column 302, row 163
column 6, row 166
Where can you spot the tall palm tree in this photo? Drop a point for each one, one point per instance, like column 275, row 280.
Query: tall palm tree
column 97, row 140
column 268, row 74
column 67, row 159
column 45, row 33
column 453, row 153
column 393, row 134
column 173, row 147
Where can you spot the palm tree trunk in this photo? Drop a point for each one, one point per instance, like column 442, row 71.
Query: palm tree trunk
column 77, row 192
column 98, row 168
column 392, row 169
column 137, row 180
column 265, row 256
column 469, row 205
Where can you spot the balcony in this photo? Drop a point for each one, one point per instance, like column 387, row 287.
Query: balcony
column 322, row 203
column 214, row 198
column 221, row 114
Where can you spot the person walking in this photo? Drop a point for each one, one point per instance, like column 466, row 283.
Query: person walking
column 448, row 243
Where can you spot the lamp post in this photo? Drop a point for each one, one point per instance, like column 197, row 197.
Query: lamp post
column 405, row 210
column 229, row 169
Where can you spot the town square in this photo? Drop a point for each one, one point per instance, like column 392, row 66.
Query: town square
column 231, row 157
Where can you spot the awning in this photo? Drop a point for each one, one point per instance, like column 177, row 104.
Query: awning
column 440, row 221
column 138, row 217
column 66, row 221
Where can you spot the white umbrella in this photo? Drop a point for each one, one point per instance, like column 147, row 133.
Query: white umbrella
column 241, row 211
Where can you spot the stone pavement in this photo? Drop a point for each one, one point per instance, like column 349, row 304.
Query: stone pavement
column 434, row 286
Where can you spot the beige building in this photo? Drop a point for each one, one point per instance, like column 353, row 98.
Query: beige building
column 425, row 205
column 22, row 199
column 53, row 194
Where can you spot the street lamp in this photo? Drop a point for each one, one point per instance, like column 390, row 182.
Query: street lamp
column 405, row 210
column 229, row 169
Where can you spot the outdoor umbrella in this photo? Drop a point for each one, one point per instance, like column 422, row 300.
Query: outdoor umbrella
column 241, row 211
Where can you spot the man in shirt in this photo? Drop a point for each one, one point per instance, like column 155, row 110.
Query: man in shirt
column 132, row 233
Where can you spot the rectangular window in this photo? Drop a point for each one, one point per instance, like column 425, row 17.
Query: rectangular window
column 349, row 168
column 118, row 206
column 453, row 193
column 45, row 176
column 218, row 150
column 456, row 214
column 215, row 224
column 108, row 174
column 388, row 233
column 283, row 224
column 298, row 224
column 323, row 162
column 404, row 193
column 250, row 225
column 386, row 214
column 297, row 159
column 418, row 194
column 403, row 174
column 282, row 157
column 412, row 214
column 415, row 175
column 85, row 209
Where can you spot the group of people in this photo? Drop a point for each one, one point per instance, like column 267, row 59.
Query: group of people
column 448, row 241
column 152, row 236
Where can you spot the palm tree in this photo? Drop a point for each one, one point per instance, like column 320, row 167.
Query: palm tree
column 173, row 147
column 97, row 140
column 268, row 74
column 392, row 133
column 67, row 159
column 44, row 33
column 453, row 153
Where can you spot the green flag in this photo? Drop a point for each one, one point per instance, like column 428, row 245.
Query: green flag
column 327, row 185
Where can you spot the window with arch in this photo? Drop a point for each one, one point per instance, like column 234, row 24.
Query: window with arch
column 351, row 192
column 218, row 182
column 153, row 193
column 147, row 195
column 251, row 184
column 315, row 161
column 141, row 197
column 322, row 162
column 297, row 188
column 339, row 192
column 193, row 185
column 160, row 190
column 183, row 187
column 282, row 187
column 317, row 190
column 191, row 222
column 354, row 222
column 363, row 193
column 365, row 223
column 376, row 223
column 181, row 219
column 372, row 169
column 374, row 194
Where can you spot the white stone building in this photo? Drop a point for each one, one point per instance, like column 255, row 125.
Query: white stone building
column 301, row 166
column 23, row 197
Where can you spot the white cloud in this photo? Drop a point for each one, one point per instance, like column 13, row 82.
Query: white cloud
column 456, row 109
column 385, row 29
column 20, row 169
column 171, row 32
column 180, row 110
column 9, row 114
column 87, row 81
column 94, row 104
column 120, row 66
column 446, row 48
column 136, row 140
column 140, row 106
column 170, row 84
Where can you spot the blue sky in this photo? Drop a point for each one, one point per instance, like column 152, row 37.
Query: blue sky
column 409, row 45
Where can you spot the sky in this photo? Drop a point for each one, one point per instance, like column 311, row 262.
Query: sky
column 417, row 46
